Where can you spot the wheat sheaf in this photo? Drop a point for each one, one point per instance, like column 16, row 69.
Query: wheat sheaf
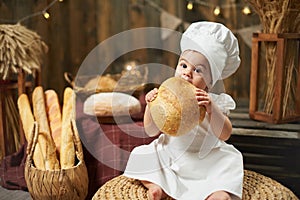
column 20, row 48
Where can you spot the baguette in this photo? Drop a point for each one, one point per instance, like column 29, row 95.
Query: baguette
column 54, row 117
column 26, row 116
column 67, row 153
column 45, row 141
column 27, row 121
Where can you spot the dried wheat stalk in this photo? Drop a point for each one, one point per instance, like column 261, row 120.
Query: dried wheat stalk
column 282, row 16
column 20, row 48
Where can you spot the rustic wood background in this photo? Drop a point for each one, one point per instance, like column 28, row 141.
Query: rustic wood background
column 76, row 27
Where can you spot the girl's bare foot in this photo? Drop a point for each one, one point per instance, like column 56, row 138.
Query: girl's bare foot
column 154, row 191
column 219, row 195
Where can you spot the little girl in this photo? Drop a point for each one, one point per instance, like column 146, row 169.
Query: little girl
column 199, row 164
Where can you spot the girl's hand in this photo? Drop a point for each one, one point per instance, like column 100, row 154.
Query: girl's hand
column 151, row 95
column 220, row 123
column 203, row 99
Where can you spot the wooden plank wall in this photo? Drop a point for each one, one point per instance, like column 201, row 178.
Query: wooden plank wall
column 76, row 27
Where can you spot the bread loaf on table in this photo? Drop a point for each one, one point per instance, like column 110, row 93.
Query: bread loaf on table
column 101, row 84
column 27, row 120
column 54, row 117
column 45, row 141
column 67, row 152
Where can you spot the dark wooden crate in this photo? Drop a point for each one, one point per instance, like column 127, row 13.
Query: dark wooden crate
column 281, row 40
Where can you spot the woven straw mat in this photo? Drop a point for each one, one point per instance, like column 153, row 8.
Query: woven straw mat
column 256, row 187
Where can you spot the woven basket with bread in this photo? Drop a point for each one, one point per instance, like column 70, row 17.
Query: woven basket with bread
column 55, row 167
column 106, row 83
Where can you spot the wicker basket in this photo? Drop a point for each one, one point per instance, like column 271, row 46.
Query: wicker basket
column 256, row 187
column 61, row 184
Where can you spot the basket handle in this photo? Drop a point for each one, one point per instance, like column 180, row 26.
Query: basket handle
column 69, row 78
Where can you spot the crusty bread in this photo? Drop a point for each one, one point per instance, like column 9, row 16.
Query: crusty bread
column 111, row 104
column 26, row 116
column 175, row 110
column 67, row 153
column 54, row 117
column 45, row 141
column 27, row 120
column 101, row 84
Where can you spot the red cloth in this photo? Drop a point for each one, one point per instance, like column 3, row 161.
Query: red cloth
column 12, row 170
column 107, row 146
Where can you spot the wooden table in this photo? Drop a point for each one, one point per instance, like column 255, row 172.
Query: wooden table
column 270, row 149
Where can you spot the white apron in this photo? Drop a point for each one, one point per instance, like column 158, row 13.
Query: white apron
column 191, row 166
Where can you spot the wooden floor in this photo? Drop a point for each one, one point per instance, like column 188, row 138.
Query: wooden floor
column 13, row 194
column 270, row 149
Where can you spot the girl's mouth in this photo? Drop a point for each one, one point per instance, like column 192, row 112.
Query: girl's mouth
column 186, row 78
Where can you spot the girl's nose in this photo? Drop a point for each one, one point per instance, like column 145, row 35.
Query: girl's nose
column 187, row 71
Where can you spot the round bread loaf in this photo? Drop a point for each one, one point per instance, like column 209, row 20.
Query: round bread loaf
column 101, row 84
column 175, row 110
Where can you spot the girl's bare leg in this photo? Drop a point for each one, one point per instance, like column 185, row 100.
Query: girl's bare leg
column 154, row 191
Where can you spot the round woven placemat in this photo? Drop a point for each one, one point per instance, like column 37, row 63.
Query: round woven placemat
column 256, row 187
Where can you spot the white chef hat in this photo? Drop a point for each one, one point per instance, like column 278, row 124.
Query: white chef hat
column 217, row 43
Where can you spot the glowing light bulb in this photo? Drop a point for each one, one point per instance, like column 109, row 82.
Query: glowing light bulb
column 246, row 10
column 46, row 15
column 217, row 11
column 60, row 0
column 128, row 67
column 190, row 5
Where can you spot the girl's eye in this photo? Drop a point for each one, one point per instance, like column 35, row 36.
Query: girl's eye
column 184, row 66
column 197, row 70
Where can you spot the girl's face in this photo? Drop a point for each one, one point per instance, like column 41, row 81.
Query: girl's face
column 194, row 67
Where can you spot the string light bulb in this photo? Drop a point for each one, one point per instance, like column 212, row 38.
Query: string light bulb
column 190, row 5
column 217, row 11
column 60, row 0
column 46, row 15
column 246, row 10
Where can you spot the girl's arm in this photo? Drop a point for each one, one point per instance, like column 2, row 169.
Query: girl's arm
column 219, row 122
